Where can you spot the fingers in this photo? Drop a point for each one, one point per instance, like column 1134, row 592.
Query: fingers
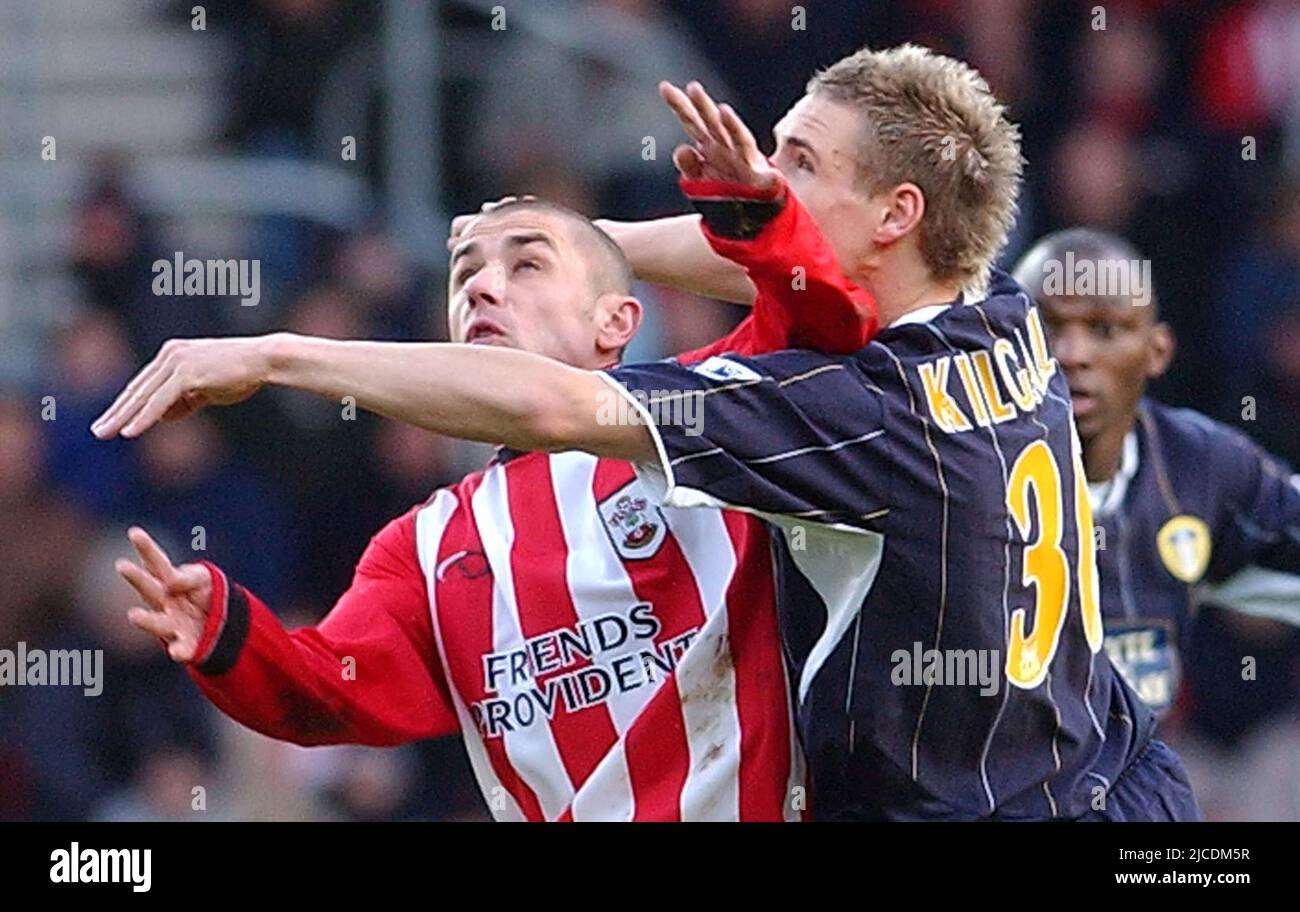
column 128, row 401
column 182, row 649
column 160, row 625
column 741, row 138
column 181, row 645
column 154, row 405
column 689, row 162
column 708, row 111
column 460, row 224
column 188, row 578
column 152, row 556
column 684, row 108
column 184, row 407
column 146, row 584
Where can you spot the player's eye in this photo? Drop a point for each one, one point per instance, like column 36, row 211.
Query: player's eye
column 804, row 163
column 1103, row 330
column 463, row 276
column 528, row 264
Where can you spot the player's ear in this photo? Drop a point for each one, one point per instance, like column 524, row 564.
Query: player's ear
column 1160, row 350
column 618, row 319
column 904, row 207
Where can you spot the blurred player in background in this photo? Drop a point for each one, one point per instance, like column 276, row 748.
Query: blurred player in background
column 937, row 439
column 1188, row 509
column 602, row 658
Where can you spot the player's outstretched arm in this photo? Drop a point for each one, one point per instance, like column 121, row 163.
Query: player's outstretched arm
column 493, row 395
column 363, row 676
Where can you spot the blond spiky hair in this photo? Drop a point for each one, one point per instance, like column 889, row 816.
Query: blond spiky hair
column 933, row 122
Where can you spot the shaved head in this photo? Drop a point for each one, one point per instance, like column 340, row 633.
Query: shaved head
column 1103, row 331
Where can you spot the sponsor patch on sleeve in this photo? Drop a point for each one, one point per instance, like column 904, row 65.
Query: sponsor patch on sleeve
column 719, row 368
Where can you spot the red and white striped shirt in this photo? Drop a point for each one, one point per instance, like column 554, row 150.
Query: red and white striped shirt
column 604, row 659
column 617, row 661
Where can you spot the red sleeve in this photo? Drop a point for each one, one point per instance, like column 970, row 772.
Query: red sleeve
column 367, row 674
column 819, row 310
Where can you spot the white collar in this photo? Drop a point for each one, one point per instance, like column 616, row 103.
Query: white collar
column 1107, row 496
column 920, row 315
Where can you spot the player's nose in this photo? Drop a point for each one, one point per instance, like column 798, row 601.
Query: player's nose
column 486, row 288
column 1071, row 347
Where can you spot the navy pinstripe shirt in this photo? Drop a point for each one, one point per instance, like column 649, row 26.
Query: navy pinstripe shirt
column 938, row 591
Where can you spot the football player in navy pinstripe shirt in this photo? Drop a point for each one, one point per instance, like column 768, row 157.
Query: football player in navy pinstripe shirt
column 1188, row 510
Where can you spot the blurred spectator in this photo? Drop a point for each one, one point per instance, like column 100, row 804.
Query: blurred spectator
column 41, row 534
column 113, row 252
column 1255, row 342
column 546, row 107
column 163, row 788
column 285, row 48
column 91, row 364
column 395, row 301
column 86, row 746
column 216, row 507
column 760, row 53
column 1248, row 79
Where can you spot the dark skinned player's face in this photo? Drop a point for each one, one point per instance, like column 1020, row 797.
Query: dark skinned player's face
column 1109, row 348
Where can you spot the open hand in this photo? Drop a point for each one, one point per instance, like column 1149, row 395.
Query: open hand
column 722, row 148
column 183, row 377
column 176, row 598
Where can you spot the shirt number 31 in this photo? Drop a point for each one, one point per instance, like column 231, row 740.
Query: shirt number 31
column 1046, row 567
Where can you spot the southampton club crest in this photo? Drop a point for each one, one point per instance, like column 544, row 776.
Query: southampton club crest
column 635, row 526
column 1184, row 545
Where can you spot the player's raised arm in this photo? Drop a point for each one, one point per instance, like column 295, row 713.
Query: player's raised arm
column 751, row 217
column 366, row 675
column 671, row 251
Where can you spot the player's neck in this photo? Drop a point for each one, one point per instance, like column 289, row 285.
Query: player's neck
column 1103, row 452
column 905, row 287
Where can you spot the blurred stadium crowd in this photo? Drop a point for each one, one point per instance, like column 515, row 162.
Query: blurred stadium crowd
column 1178, row 125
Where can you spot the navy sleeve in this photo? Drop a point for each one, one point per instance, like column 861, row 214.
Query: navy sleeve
column 794, row 434
column 1260, row 522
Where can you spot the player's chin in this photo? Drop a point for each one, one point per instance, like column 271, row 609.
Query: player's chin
column 1089, row 418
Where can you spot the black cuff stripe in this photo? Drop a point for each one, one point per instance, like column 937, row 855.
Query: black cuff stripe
column 230, row 642
column 738, row 219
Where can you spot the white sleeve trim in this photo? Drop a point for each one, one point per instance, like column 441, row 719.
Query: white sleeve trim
column 1258, row 591
column 658, row 478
